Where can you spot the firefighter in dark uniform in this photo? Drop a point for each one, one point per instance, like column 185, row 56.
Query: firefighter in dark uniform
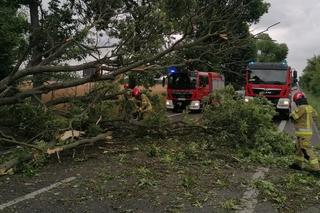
column 304, row 116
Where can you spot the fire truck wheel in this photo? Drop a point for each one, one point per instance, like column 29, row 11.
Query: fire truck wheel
column 284, row 115
column 177, row 109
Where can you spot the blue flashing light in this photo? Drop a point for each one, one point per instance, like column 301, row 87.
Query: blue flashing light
column 253, row 61
column 172, row 70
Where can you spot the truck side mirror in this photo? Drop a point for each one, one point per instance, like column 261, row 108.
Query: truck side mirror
column 163, row 81
column 244, row 76
column 201, row 83
column 295, row 76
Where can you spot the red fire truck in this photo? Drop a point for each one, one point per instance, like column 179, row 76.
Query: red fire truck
column 187, row 88
column 273, row 81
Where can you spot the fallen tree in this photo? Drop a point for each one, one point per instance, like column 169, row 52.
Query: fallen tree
column 232, row 123
column 167, row 130
column 112, row 39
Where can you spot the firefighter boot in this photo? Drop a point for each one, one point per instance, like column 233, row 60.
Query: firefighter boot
column 298, row 158
column 310, row 155
column 314, row 164
column 298, row 163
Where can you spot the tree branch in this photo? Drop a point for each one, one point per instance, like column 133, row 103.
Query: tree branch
column 267, row 29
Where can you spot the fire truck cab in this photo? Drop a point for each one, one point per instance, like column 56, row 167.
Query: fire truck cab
column 186, row 88
column 272, row 81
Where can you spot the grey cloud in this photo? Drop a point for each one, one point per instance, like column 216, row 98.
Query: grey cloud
column 299, row 28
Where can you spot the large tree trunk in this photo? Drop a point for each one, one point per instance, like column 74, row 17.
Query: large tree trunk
column 35, row 26
column 37, row 80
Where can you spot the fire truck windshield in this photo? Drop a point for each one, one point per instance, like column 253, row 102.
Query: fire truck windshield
column 267, row 76
column 182, row 80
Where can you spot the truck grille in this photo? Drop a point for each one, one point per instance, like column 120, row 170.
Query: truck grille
column 262, row 91
column 181, row 95
column 274, row 101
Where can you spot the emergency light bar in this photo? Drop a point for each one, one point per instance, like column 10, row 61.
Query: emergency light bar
column 172, row 70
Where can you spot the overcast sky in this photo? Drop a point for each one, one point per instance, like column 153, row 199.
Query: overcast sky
column 299, row 28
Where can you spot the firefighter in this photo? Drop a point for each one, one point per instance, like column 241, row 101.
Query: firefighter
column 303, row 117
column 143, row 104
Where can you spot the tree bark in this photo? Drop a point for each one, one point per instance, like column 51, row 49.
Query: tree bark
column 101, row 137
column 5, row 167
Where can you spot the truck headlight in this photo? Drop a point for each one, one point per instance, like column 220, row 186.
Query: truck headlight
column 283, row 103
column 247, row 98
column 194, row 105
column 169, row 104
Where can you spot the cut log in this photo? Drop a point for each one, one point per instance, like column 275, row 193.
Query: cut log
column 8, row 166
column 70, row 134
column 101, row 137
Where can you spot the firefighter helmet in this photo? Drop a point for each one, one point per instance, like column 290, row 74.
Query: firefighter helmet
column 136, row 92
column 298, row 96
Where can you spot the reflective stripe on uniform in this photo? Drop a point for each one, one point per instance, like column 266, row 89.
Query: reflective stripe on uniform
column 314, row 162
column 303, row 133
column 309, row 116
column 305, row 144
column 294, row 115
column 300, row 159
column 304, row 130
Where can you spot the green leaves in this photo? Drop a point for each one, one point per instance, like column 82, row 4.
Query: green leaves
column 12, row 27
column 269, row 50
column 311, row 76
column 249, row 126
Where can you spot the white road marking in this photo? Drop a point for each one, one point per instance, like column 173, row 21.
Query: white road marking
column 282, row 124
column 249, row 198
column 35, row 193
column 169, row 116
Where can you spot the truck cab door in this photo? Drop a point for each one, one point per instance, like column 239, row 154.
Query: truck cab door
column 204, row 87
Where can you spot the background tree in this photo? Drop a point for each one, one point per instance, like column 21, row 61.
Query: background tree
column 12, row 29
column 310, row 80
column 269, row 50
column 229, row 50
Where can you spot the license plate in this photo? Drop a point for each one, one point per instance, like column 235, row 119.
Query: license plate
column 181, row 99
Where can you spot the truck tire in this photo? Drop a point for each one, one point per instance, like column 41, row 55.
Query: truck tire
column 285, row 115
column 177, row 109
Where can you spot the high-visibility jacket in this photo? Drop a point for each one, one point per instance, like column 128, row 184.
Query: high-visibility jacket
column 303, row 119
column 144, row 105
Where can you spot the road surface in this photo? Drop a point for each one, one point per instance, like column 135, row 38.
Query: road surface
column 59, row 188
